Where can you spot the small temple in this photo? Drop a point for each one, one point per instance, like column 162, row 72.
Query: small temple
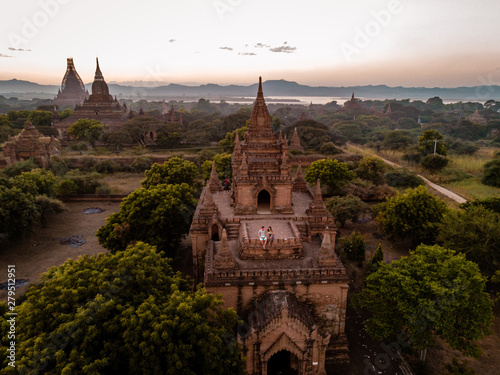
column 30, row 143
column 477, row 118
column 72, row 92
column 100, row 105
column 292, row 293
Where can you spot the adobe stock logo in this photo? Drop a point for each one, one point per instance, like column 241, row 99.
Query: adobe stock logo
column 32, row 25
column 372, row 29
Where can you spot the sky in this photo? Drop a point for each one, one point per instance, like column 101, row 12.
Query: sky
column 412, row 43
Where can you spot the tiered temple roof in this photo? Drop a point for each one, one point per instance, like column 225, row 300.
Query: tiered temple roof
column 72, row 91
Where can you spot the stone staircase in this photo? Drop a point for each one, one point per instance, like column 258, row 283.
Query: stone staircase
column 233, row 231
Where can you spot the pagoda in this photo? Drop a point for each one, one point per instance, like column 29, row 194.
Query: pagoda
column 100, row 105
column 72, row 91
column 292, row 293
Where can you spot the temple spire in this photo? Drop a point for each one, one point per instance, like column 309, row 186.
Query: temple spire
column 260, row 93
column 326, row 256
column 352, row 97
column 98, row 73
column 224, row 259
column 214, row 182
column 237, row 145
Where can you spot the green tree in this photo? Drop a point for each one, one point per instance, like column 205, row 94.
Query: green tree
column 331, row 173
column 372, row 169
column 139, row 128
column 222, row 166
column 117, row 139
column 86, row 130
column 376, row 259
column 230, row 138
column 491, row 172
column 354, row 247
column 18, row 212
column 65, row 113
column 403, row 178
column 397, row 140
column 346, row 208
column 124, row 313
column 170, row 135
column 430, row 140
column 415, row 215
column 19, row 167
column 434, row 163
column 40, row 118
column 159, row 215
column 433, row 292
column 475, row 232
column 457, row 368
column 37, row 182
column 173, row 171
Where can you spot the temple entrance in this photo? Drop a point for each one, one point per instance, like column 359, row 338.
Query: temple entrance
column 215, row 233
column 283, row 363
column 264, row 202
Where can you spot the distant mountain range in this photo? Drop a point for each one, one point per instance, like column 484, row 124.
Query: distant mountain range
column 271, row 88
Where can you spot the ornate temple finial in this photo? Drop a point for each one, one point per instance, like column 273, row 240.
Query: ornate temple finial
column 299, row 183
column 326, row 255
column 280, row 139
column 285, row 140
column 214, row 182
column 208, row 200
column 317, row 192
column 98, row 74
column 244, row 165
column 260, row 93
column 237, row 146
column 352, row 97
column 389, row 109
column 224, row 259
column 295, row 142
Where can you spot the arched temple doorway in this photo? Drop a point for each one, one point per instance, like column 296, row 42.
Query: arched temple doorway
column 283, row 363
column 215, row 232
column 264, row 202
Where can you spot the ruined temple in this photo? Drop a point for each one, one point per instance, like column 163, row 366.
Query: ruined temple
column 30, row 143
column 72, row 91
column 100, row 105
column 291, row 294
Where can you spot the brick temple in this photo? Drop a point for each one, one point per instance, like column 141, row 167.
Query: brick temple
column 72, row 92
column 292, row 294
column 100, row 105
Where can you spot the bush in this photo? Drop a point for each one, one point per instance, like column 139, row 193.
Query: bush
column 457, row 368
column 491, row 173
column 346, row 208
column 103, row 189
column 368, row 192
column 16, row 169
column 329, row 148
column 89, row 164
column 107, row 166
column 60, row 166
column 492, row 204
column 376, row 259
column 141, row 164
column 78, row 146
column 403, row 178
column 86, row 183
column 354, row 247
column 66, row 187
column 372, row 168
column 434, row 163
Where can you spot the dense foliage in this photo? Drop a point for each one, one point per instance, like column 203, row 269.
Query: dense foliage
column 330, row 172
column 414, row 215
column 86, row 130
column 174, row 171
column 432, row 292
column 123, row 313
column 159, row 215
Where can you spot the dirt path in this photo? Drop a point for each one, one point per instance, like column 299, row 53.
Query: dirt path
column 448, row 193
column 43, row 249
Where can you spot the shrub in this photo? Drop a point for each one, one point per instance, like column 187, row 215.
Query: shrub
column 354, row 247
column 67, row 187
column 346, row 208
column 86, row 182
column 492, row 204
column 434, row 163
column 376, row 259
column 403, row 178
column 103, row 189
column 107, row 166
column 20, row 167
column 141, row 163
column 368, row 192
column 329, row 148
column 491, row 173
column 60, row 166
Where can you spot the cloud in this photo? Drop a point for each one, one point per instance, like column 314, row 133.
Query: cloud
column 260, row 45
column 171, row 40
column 2, row 55
column 283, row 49
column 285, row 42
column 228, row 48
column 19, row 49
column 247, row 54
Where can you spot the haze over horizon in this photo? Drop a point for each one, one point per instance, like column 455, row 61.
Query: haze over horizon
column 367, row 42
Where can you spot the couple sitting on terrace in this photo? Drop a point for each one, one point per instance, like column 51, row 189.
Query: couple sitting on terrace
column 265, row 236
